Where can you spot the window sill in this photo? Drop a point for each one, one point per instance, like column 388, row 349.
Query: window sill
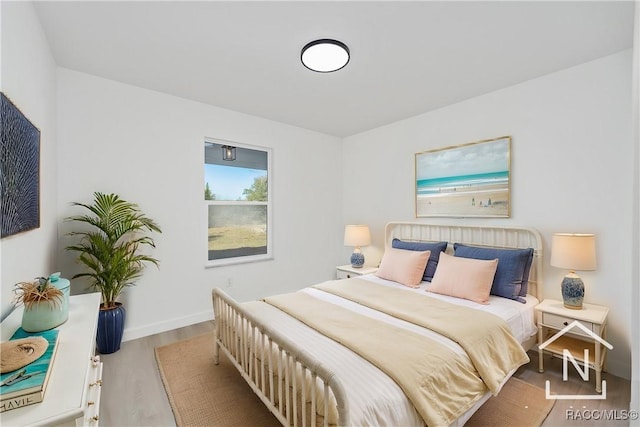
column 239, row 260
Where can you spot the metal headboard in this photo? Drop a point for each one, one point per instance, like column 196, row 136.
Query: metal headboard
column 476, row 235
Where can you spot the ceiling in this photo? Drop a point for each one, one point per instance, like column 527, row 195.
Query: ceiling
column 407, row 58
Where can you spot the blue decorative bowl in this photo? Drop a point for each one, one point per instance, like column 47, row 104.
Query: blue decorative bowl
column 46, row 315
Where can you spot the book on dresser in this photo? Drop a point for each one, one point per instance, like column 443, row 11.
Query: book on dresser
column 29, row 382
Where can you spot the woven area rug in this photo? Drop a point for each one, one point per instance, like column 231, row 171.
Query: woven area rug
column 203, row 394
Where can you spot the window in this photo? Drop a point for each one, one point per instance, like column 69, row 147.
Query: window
column 236, row 194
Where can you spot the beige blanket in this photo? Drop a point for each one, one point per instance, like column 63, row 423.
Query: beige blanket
column 441, row 383
column 486, row 338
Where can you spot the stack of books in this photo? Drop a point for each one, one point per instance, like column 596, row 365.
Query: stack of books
column 27, row 385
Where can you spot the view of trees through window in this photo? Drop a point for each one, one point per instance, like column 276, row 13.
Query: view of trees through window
column 237, row 197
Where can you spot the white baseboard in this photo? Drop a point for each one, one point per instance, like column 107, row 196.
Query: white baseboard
column 167, row 325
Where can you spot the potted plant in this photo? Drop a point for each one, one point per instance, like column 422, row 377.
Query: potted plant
column 45, row 300
column 110, row 251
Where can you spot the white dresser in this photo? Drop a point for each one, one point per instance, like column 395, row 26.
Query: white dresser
column 72, row 396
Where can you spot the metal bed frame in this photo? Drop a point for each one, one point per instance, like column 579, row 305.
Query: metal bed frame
column 276, row 367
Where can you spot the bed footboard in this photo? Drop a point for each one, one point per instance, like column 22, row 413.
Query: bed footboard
column 291, row 382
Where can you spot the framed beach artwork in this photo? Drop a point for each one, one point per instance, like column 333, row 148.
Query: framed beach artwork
column 469, row 180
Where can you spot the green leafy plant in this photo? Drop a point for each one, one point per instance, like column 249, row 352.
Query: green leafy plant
column 258, row 190
column 110, row 250
column 38, row 290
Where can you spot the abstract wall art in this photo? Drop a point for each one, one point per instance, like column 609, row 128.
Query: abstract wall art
column 19, row 171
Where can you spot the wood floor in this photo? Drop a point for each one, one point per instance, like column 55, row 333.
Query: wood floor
column 133, row 394
column 132, row 391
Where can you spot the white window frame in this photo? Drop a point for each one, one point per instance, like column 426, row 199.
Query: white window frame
column 246, row 258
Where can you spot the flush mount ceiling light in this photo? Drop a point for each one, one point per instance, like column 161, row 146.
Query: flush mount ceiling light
column 325, row 55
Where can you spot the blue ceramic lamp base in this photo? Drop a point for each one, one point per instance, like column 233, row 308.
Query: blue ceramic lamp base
column 572, row 291
column 357, row 260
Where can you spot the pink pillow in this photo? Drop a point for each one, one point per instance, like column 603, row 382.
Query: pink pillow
column 403, row 266
column 464, row 278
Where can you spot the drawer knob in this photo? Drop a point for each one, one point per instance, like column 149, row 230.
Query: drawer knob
column 566, row 323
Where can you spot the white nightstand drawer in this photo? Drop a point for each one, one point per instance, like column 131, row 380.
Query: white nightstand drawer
column 347, row 271
column 559, row 322
column 341, row 274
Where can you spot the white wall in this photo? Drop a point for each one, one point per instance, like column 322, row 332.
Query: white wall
column 571, row 164
column 148, row 148
column 29, row 80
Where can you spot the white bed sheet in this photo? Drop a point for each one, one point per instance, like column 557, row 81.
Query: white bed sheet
column 374, row 398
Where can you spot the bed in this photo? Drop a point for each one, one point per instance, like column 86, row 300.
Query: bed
column 319, row 373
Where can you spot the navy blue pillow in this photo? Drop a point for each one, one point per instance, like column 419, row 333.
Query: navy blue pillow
column 435, row 249
column 512, row 275
column 525, row 279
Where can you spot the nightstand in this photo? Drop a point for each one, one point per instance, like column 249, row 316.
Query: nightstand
column 553, row 317
column 346, row 271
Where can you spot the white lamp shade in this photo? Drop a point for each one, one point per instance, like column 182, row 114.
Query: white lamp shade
column 574, row 251
column 357, row 235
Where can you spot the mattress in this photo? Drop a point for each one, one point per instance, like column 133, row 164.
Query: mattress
column 374, row 398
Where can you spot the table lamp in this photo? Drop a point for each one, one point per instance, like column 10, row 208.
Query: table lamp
column 357, row 236
column 573, row 252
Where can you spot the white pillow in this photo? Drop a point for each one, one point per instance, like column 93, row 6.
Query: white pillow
column 403, row 266
column 466, row 278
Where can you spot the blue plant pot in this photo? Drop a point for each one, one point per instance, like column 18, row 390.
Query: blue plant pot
column 110, row 329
